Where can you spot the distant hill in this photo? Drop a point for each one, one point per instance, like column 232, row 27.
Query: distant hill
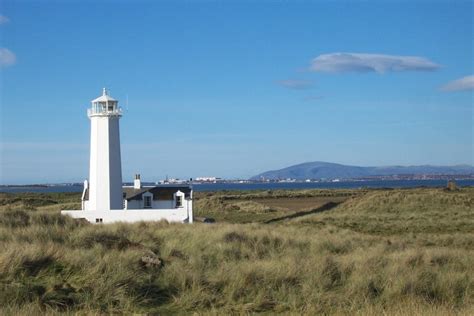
column 326, row 170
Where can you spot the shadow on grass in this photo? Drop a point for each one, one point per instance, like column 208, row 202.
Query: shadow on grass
column 326, row 207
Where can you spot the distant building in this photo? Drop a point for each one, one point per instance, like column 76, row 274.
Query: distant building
column 173, row 181
column 104, row 200
column 207, row 179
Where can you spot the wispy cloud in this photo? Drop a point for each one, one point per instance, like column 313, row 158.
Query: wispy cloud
column 295, row 84
column 7, row 57
column 355, row 62
column 462, row 84
column 4, row 19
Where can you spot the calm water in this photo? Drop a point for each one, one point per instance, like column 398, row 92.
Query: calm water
column 273, row 186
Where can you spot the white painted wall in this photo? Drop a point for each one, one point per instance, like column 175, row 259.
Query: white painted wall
column 105, row 177
column 111, row 216
column 162, row 210
column 189, row 207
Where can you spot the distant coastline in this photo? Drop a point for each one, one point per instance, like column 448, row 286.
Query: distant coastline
column 332, row 171
column 222, row 181
column 255, row 185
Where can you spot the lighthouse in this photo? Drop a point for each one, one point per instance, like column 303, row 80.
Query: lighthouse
column 104, row 199
column 105, row 173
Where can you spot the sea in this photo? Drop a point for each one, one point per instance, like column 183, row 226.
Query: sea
column 202, row 187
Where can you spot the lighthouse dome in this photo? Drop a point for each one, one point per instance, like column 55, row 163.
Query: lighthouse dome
column 105, row 97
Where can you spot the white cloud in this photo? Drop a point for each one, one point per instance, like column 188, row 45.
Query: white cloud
column 355, row 62
column 7, row 57
column 4, row 19
column 462, row 84
column 295, row 84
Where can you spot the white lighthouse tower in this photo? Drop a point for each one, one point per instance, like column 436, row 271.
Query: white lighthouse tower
column 105, row 174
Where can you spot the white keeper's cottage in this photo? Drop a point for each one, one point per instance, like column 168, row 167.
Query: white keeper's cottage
column 104, row 199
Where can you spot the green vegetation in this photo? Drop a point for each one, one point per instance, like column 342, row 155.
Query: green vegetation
column 415, row 211
column 263, row 206
column 367, row 252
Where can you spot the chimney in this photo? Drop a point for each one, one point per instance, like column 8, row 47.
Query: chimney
column 137, row 184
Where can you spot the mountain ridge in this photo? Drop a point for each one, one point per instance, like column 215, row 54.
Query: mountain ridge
column 328, row 170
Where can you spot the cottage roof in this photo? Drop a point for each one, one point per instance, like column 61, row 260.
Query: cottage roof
column 159, row 192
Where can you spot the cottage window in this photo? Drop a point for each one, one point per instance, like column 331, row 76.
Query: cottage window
column 147, row 201
column 179, row 201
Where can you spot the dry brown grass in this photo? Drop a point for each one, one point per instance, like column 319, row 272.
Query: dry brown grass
column 316, row 264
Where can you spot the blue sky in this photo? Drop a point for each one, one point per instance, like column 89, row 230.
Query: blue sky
column 235, row 88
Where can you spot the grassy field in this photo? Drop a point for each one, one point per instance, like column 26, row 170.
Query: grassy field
column 264, row 206
column 366, row 252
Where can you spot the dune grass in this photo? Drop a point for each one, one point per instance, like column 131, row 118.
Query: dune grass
column 415, row 211
column 325, row 263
